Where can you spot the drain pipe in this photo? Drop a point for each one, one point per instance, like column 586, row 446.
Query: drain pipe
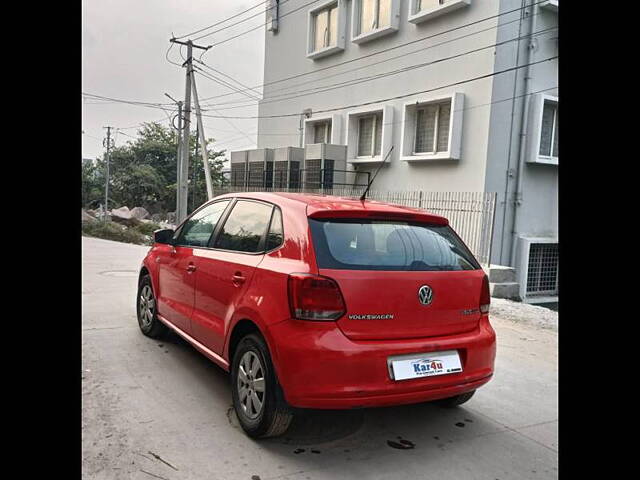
column 532, row 11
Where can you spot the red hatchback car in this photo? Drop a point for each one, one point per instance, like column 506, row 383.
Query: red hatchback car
column 314, row 301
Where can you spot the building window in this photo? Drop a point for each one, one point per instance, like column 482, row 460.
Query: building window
column 542, row 132
column 549, row 130
column 374, row 18
column 326, row 29
column 325, row 26
column 432, row 128
column 422, row 10
column 322, row 129
column 374, row 14
column 369, row 135
column 322, row 132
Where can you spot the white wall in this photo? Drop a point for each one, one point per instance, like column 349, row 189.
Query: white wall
column 286, row 55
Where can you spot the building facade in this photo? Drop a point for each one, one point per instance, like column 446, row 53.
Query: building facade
column 465, row 91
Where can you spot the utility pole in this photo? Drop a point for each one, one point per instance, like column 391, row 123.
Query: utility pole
column 181, row 211
column 178, row 153
column 203, row 142
column 107, row 143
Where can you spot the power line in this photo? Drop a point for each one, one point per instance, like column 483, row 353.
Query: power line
column 377, row 76
column 378, row 52
column 286, row 89
column 221, row 21
column 224, row 83
column 261, row 25
column 228, row 76
column 397, row 97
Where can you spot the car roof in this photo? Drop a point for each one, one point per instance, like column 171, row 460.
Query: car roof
column 324, row 206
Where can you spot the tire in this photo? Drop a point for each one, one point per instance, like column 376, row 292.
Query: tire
column 261, row 413
column 453, row 402
column 146, row 308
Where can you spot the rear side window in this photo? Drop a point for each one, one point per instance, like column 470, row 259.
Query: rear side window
column 245, row 227
column 276, row 233
column 359, row 244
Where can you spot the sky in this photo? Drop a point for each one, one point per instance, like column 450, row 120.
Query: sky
column 124, row 44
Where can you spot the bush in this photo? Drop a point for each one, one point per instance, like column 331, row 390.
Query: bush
column 146, row 228
column 115, row 231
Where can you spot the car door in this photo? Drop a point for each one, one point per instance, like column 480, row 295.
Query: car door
column 226, row 269
column 177, row 266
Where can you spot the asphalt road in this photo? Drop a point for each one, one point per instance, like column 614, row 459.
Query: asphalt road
column 159, row 409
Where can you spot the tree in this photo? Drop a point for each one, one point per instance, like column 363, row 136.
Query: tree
column 143, row 172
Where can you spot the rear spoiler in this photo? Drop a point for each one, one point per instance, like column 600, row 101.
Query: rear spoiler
column 382, row 214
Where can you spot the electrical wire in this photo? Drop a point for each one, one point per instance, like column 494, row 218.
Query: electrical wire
column 388, row 49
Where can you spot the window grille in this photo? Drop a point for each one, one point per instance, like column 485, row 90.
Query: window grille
column 542, row 273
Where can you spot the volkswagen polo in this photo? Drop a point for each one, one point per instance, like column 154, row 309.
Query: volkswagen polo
column 314, row 301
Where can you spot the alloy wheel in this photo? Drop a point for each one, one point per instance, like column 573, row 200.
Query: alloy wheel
column 146, row 306
column 251, row 385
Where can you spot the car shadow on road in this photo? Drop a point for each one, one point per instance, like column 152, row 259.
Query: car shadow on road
column 349, row 432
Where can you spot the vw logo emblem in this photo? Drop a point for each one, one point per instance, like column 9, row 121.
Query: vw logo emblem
column 425, row 294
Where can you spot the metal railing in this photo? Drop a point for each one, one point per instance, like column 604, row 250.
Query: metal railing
column 471, row 214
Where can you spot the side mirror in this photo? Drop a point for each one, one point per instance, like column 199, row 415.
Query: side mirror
column 163, row 236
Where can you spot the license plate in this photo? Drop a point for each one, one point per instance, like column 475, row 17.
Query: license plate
column 405, row 367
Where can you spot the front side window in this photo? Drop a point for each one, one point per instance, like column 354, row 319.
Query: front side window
column 432, row 128
column 369, row 135
column 198, row 229
column 245, row 227
column 549, row 130
column 361, row 244
column 325, row 27
column 374, row 14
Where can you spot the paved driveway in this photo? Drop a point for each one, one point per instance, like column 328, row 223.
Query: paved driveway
column 159, row 409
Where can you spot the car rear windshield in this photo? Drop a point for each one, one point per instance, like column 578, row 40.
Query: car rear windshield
column 362, row 244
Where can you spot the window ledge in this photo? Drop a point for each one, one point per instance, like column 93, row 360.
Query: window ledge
column 545, row 160
column 427, row 157
column 428, row 14
column 324, row 52
column 376, row 159
column 550, row 5
column 378, row 32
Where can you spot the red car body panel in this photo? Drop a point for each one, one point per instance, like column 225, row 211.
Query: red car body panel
column 347, row 359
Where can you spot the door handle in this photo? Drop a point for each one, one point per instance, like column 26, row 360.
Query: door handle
column 237, row 279
column 191, row 268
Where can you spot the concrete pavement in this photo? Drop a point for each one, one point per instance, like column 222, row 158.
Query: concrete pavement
column 159, row 409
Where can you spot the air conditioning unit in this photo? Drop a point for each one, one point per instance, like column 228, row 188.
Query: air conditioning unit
column 260, row 170
column 239, row 169
column 287, row 162
column 325, row 166
column 538, row 269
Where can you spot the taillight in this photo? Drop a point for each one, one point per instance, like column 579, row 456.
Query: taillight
column 485, row 296
column 314, row 297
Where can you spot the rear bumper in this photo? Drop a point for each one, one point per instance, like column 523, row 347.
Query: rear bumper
column 319, row 367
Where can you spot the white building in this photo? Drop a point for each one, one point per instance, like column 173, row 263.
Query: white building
column 463, row 91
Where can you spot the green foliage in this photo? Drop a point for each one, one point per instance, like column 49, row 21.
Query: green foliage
column 147, row 228
column 143, row 172
column 114, row 231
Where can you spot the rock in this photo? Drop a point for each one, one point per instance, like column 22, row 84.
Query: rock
column 86, row 217
column 157, row 217
column 123, row 215
column 171, row 217
column 140, row 213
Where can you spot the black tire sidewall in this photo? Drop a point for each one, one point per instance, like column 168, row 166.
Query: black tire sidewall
column 258, row 426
